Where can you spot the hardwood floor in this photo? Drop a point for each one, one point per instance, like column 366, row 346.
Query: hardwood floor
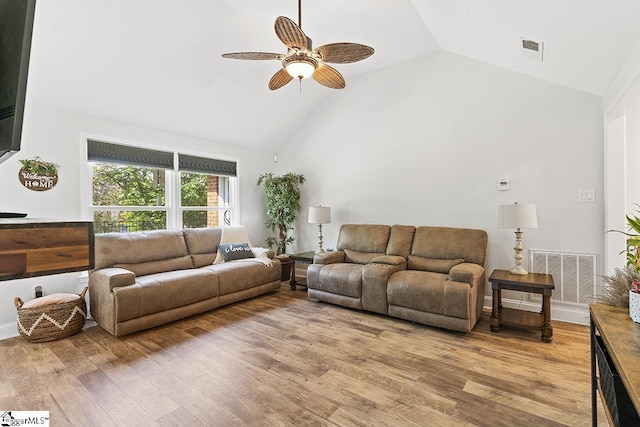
column 284, row 360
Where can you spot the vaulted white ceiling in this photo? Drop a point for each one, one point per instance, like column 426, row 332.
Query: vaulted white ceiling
column 158, row 64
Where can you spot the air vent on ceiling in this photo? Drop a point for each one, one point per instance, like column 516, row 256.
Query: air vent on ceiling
column 531, row 49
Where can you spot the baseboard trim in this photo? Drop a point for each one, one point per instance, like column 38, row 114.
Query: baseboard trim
column 559, row 312
column 8, row 330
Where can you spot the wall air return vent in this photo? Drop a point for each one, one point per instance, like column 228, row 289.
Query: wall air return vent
column 531, row 49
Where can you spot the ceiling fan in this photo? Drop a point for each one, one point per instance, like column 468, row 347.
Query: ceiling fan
column 302, row 61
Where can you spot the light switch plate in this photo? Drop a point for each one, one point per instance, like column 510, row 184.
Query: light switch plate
column 586, row 196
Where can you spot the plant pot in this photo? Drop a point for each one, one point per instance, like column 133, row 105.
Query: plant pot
column 634, row 306
column 286, row 263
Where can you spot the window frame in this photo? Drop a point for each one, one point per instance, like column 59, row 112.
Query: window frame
column 173, row 202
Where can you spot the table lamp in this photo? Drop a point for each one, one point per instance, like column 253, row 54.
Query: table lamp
column 319, row 215
column 518, row 216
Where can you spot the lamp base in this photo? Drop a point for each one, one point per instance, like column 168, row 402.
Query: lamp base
column 319, row 250
column 519, row 270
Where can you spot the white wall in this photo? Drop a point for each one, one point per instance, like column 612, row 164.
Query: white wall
column 56, row 137
column 621, row 172
column 426, row 141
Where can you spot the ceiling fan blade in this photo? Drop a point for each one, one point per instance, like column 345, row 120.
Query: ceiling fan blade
column 328, row 76
column 290, row 34
column 253, row 55
column 279, row 79
column 344, row 53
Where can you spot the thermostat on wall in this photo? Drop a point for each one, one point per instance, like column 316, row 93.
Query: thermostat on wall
column 504, row 184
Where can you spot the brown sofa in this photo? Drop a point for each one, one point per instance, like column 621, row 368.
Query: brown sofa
column 145, row 279
column 430, row 275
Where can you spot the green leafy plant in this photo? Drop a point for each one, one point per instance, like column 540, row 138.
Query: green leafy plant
column 283, row 207
column 618, row 284
column 39, row 166
column 633, row 242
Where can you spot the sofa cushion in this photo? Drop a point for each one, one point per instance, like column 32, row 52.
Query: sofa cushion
column 138, row 247
column 433, row 264
column 342, row 279
column 151, row 267
column 450, row 243
column 429, row 292
column 156, row 293
column 364, row 238
column 234, row 251
column 235, row 276
column 400, row 240
column 202, row 244
column 360, row 257
column 389, row 260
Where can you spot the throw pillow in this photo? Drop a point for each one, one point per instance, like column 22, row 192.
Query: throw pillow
column 260, row 252
column 233, row 251
column 234, row 233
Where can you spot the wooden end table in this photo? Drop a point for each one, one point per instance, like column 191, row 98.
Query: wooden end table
column 532, row 282
column 304, row 258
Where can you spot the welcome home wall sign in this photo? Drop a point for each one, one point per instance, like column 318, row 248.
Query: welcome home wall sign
column 38, row 175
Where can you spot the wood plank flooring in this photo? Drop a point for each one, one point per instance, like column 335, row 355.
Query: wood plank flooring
column 283, row 360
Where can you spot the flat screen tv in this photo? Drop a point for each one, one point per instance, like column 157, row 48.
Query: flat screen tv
column 16, row 27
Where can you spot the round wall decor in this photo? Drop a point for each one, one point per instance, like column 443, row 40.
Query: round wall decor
column 38, row 175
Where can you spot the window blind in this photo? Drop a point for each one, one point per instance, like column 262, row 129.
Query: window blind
column 99, row 151
column 209, row 166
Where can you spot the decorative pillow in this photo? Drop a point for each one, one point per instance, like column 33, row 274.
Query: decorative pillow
column 235, row 233
column 50, row 299
column 233, row 251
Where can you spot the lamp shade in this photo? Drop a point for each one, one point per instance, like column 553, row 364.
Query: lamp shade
column 517, row 216
column 300, row 70
column 319, row 215
column 300, row 66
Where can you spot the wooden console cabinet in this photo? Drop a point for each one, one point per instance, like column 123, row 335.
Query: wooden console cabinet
column 30, row 247
column 615, row 350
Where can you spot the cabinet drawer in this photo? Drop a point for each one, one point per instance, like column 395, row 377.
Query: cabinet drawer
column 615, row 395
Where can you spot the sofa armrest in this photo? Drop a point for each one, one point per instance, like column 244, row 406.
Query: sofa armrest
column 101, row 297
column 467, row 272
column 330, row 257
column 109, row 278
column 390, row 260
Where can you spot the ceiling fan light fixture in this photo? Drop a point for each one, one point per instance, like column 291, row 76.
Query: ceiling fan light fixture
column 300, row 66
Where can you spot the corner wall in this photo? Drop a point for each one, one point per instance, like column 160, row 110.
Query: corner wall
column 425, row 142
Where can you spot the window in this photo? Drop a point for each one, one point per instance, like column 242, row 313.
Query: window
column 137, row 189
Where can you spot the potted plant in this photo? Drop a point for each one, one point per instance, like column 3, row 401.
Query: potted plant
column 634, row 301
column 618, row 286
column 283, row 208
column 623, row 286
column 633, row 242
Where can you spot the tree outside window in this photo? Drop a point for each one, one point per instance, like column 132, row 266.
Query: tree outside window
column 136, row 188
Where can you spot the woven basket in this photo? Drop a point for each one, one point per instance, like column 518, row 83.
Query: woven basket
column 51, row 322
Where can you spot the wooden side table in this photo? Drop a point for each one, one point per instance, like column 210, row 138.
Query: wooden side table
column 532, row 282
column 304, row 258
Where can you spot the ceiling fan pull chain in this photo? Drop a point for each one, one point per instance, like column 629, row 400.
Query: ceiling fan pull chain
column 300, row 80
